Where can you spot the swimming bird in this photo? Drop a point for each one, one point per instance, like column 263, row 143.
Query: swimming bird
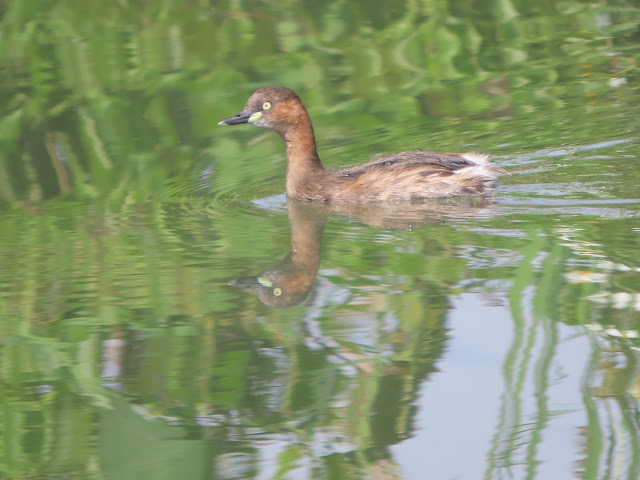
column 416, row 174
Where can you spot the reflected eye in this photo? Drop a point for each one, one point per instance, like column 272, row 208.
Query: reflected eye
column 276, row 291
column 266, row 105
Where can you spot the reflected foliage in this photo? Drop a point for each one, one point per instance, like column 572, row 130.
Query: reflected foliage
column 117, row 98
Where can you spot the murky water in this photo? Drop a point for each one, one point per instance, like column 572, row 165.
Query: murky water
column 165, row 311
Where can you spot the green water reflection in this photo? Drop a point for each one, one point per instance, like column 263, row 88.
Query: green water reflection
column 494, row 339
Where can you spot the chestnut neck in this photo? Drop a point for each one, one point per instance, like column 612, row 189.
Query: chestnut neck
column 302, row 156
column 307, row 224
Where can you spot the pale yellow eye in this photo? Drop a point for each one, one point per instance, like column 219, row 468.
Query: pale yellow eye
column 266, row 105
column 276, row 291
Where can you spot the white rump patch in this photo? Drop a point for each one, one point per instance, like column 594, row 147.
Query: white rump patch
column 481, row 167
column 477, row 158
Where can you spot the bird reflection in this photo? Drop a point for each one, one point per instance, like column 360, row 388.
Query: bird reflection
column 288, row 283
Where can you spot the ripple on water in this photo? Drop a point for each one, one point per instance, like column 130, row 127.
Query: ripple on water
column 232, row 195
column 532, row 157
column 536, row 183
column 607, row 190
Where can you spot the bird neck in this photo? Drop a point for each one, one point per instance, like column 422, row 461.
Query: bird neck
column 302, row 156
column 307, row 223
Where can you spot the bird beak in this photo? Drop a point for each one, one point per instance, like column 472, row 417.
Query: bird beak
column 246, row 282
column 242, row 117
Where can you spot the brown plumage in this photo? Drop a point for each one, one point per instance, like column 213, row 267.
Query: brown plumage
column 397, row 177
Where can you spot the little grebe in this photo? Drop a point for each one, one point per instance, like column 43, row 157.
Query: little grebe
column 396, row 177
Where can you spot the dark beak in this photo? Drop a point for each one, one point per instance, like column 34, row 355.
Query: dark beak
column 245, row 282
column 242, row 117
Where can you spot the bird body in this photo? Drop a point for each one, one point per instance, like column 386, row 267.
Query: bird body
column 397, row 177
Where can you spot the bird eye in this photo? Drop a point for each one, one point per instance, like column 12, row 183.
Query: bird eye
column 276, row 291
column 266, row 105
